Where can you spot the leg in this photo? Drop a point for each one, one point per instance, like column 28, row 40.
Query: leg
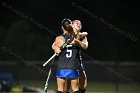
column 60, row 85
column 82, row 81
column 75, row 85
column 67, row 86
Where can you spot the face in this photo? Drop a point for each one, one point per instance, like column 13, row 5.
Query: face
column 77, row 24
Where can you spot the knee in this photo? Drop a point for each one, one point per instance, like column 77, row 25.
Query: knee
column 60, row 85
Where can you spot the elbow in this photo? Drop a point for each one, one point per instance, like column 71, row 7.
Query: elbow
column 53, row 46
column 85, row 46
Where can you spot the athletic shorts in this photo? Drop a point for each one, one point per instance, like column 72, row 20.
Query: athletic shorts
column 67, row 73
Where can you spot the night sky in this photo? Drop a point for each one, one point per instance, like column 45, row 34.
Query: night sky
column 113, row 27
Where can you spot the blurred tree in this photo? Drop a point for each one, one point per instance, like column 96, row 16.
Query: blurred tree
column 26, row 42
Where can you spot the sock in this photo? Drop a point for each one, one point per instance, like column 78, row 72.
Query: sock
column 82, row 90
column 59, row 92
column 77, row 91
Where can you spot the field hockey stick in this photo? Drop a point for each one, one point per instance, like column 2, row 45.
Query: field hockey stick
column 54, row 55
column 49, row 74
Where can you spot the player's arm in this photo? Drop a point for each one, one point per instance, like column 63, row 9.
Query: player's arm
column 57, row 43
column 83, row 44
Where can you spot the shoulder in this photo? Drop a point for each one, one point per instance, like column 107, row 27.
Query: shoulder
column 60, row 37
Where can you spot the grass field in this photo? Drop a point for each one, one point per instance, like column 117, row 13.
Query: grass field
column 93, row 87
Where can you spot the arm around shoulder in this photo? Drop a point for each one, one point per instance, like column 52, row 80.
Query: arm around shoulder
column 83, row 44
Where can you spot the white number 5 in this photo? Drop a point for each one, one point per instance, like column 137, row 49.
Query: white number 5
column 69, row 52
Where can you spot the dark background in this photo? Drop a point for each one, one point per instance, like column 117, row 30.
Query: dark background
column 28, row 40
column 21, row 36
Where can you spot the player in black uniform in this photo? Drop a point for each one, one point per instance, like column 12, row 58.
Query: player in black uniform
column 81, row 36
column 68, row 63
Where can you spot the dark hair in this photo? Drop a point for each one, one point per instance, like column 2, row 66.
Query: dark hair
column 65, row 23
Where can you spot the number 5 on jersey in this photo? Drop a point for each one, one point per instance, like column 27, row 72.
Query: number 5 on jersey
column 69, row 52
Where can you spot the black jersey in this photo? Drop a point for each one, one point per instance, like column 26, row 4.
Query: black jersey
column 69, row 58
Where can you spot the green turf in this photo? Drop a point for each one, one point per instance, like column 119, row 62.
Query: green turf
column 103, row 86
column 92, row 86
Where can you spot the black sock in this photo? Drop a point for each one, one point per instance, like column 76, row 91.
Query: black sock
column 77, row 91
column 82, row 90
column 59, row 92
column 67, row 92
